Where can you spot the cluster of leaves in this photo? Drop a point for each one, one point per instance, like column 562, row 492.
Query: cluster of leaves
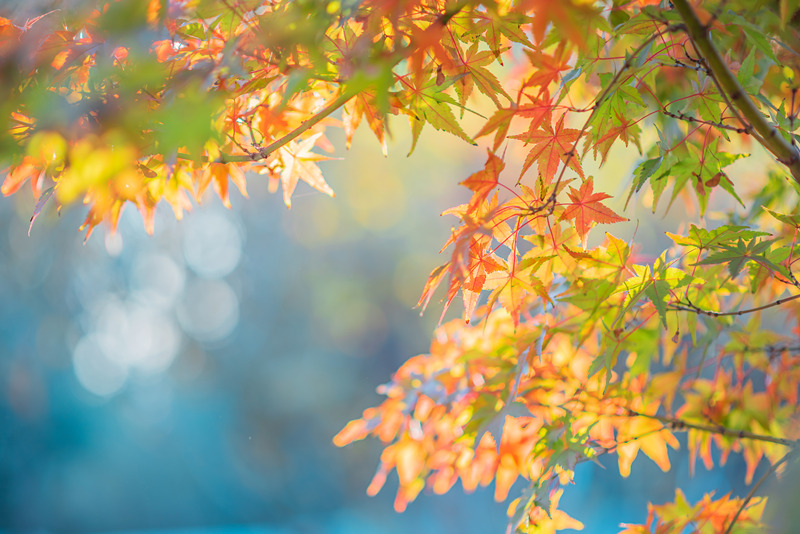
column 568, row 350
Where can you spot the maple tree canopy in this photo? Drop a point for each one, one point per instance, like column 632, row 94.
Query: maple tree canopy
column 572, row 345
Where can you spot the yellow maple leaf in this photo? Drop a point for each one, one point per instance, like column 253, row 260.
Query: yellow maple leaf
column 647, row 435
column 299, row 164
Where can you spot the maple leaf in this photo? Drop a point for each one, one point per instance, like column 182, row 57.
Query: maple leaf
column 709, row 514
column 298, row 164
column 474, row 65
column 218, row 173
column 494, row 30
column 627, row 130
column 538, row 111
column 428, row 103
column 547, row 68
column 433, row 282
column 362, row 106
column 18, row 175
column 551, row 147
column 586, row 208
column 740, row 253
column 482, row 264
column 469, row 263
column 648, row 435
column 485, row 180
column 515, row 287
column 562, row 16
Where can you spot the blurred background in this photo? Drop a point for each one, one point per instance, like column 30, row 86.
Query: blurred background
column 192, row 380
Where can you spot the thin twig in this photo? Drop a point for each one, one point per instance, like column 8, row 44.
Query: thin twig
column 688, row 118
column 774, row 467
column 677, row 424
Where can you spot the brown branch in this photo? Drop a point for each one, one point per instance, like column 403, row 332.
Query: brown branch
column 264, row 152
column 771, row 350
column 690, row 119
column 688, row 306
column 681, row 424
column 731, row 90
column 677, row 424
column 680, row 64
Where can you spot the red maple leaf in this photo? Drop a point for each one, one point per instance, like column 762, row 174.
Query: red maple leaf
column 565, row 17
column 551, row 147
column 539, row 111
column 547, row 69
column 586, row 208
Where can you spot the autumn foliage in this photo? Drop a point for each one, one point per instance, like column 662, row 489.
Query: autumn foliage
column 573, row 344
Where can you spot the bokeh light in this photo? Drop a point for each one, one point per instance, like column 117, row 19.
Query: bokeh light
column 212, row 243
column 96, row 371
column 209, row 310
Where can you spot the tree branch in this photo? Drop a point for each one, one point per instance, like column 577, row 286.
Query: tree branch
column 688, row 306
column 769, row 136
column 681, row 424
column 264, row 152
column 749, row 497
column 677, row 424
column 690, row 120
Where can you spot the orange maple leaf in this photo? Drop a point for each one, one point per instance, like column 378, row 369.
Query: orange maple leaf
column 482, row 264
column 474, row 235
column 586, row 208
column 647, row 435
column 547, row 69
column 218, row 174
column 18, row 175
column 538, row 111
column 485, row 180
column 364, row 105
column 627, row 130
column 551, row 147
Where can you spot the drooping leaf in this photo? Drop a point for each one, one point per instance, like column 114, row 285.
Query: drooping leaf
column 43, row 198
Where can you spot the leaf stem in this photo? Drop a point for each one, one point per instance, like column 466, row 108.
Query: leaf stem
column 770, row 138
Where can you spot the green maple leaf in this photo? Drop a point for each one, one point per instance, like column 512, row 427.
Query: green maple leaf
column 474, row 64
column 791, row 219
column 739, row 254
column 429, row 104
